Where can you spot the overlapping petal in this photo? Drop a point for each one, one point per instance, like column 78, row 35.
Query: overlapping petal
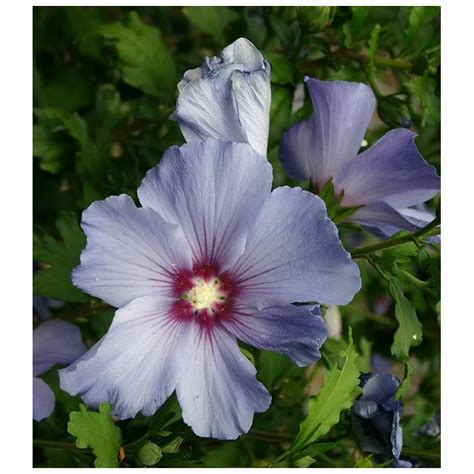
column 228, row 97
column 297, row 150
column 43, row 400
column 383, row 220
column 218, row 392
column 295, row 331
column 332, row 135
column 55, row 342
column 214, row 190
column 130, row 252
column 293, row 253
column 376, row 417
column 137, row 364
column 391, row 171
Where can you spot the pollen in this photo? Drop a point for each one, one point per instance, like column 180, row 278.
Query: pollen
column 204, row 294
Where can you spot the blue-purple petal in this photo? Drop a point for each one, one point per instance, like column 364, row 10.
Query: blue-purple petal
column 137, row 364
column 391, row 171
column 218, row 392
column 293, row 254
column 376, row 416
column 43, row 400
column 297, row 148
column 55, row 342
column 214, row 190
column 333, row 134
column 383, row 220
column 295, row 331
column 130, row 252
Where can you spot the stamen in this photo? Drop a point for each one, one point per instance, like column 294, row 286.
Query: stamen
column 204, row 294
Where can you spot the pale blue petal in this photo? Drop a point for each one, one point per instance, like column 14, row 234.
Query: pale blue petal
column 218, row 392
column 55, row 342
column 137, row 364
column 228, row 97
column 207, row 108
column 252, row 93
column 293, row 254
column 214, row 190
column 130, row 252
column 295, row 331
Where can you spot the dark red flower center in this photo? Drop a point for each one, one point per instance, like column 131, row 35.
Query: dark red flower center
column 203, row 293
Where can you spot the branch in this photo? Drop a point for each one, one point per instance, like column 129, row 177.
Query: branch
column 432, row 229
column 40, row 443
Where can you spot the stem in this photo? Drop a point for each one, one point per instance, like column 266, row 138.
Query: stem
column 378, row 60
column 271, row 437
column 433, row 228
column 40, row 443
column 421, row 453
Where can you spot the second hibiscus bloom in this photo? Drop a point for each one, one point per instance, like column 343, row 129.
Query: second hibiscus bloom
column 383, row 182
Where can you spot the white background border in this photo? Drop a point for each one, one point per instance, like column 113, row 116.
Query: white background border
column 16, row 226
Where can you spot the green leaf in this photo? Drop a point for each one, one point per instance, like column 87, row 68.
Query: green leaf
column 55, row 282
column 144, row 61
column 90, row 159
column 315, row 19
column 409, row 332
column 149, row 454
column 283, row 70
column 97, row 431
column 212, row 20
column 314, row 450
column 364, row 462
column 270, row 366
column 374, row 42
column 50, row 147
column 366, row 350
column 100, row 322
column 70, row 90
column 286, row 33
column 229, row 454
column 341, row 386
column 418, row 18
column 423, row 88
column 403, row 389
column 280, row 113
column 302, row 462
column 168, row 414
column 172, row 446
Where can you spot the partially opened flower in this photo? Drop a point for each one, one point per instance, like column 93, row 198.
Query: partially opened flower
column 211, row 256
column 54, row 342
column 376, row 418
column 383, row 182
column 227, row 97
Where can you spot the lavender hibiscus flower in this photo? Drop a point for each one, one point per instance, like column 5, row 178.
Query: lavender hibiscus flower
column 228, row 97
column 376, row 418
column 211, row 256
column 54, row 342
column 383, row 182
